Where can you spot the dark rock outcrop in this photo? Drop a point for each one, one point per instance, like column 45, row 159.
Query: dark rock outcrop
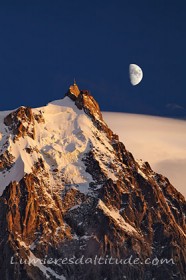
column 21, row 122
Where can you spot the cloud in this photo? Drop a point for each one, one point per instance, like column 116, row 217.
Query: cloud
column 174, row 106
column 160, row 141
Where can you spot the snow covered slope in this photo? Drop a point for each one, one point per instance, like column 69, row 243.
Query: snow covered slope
column 61, row 139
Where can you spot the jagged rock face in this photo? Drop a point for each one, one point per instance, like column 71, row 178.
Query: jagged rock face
column 85, row 101
column 21, row 122
column 6, row 161
column 79, row 192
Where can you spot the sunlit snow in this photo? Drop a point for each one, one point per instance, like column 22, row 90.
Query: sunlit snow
column 61, row 141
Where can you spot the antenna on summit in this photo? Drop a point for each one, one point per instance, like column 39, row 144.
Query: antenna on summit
column 74, row 82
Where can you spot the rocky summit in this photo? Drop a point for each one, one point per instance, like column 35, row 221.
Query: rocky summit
column 76, row 205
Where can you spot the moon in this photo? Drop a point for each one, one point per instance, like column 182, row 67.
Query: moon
column 135, row 74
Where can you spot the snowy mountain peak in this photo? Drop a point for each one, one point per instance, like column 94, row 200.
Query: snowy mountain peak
column 60, row 134
column 69, row 187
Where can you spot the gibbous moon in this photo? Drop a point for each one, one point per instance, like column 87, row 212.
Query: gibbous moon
column 135, row 74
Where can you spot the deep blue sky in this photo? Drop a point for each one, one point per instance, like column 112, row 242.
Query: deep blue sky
column 45, row 44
